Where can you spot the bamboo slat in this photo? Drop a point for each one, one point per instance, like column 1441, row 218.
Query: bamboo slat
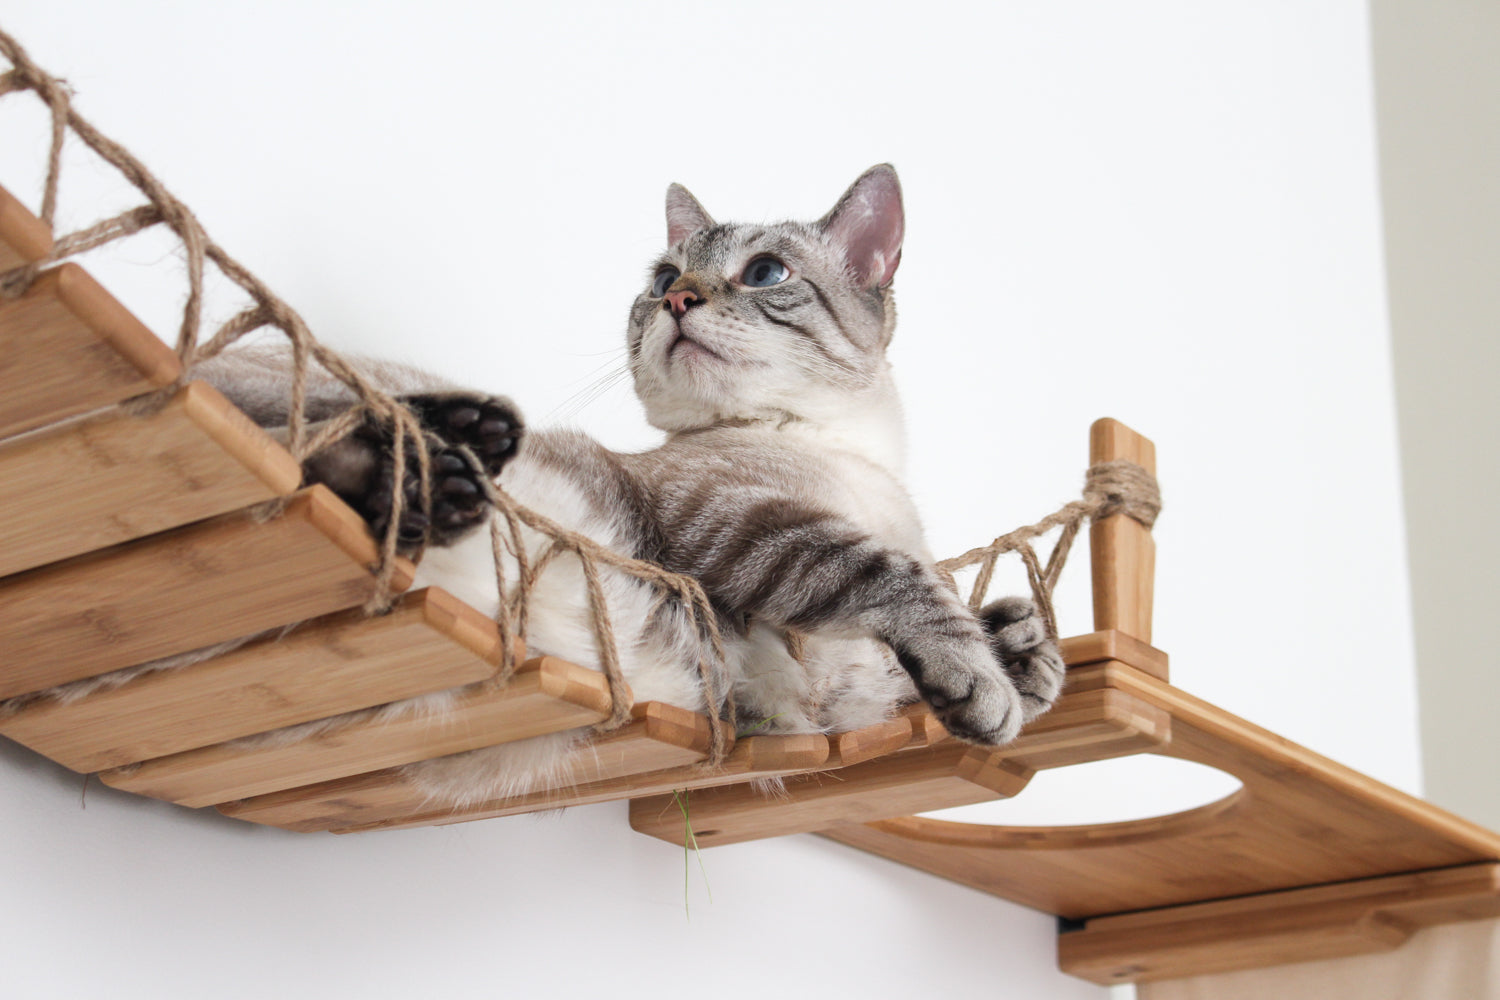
column 1111, row 644
column 659, row 736
column 1088, row 723
column 950, row 774
column 68, row 347
column 1296, row 925
column 546, row 695
column 348, row 661
column 184, row 589
column 96, row 482
column 752, row 757
column 23, row 237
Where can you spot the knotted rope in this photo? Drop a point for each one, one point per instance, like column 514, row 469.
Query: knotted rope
column 373, row 405
column 1117, row 487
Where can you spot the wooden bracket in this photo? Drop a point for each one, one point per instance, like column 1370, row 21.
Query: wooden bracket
column 1295, row 925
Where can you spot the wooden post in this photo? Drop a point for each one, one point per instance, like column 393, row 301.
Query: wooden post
column 1124, row 554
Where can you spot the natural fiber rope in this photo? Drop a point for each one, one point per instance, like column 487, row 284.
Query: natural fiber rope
column 1110, row 488
column 1117, row 487
column 267, row 309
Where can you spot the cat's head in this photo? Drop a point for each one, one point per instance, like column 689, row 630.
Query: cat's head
column 765, row 323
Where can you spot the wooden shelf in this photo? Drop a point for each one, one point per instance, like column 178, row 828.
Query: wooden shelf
column 130, row 538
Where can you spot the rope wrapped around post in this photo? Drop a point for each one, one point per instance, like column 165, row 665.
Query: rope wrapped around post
column 1109, row 488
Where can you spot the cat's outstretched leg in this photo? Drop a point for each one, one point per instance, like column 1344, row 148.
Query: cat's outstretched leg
column 799, row 567
column 1018, row 635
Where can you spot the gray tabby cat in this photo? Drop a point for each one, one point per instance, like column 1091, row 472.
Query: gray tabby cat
column 760, row 351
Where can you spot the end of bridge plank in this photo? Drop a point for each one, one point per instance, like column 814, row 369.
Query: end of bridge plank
column 68, row 347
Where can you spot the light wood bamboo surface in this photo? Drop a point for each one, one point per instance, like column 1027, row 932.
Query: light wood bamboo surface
column 126, row 537
column 93, row 483
column 68, row 347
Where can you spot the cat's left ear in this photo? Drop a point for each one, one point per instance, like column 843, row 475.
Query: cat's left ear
column 684, row 215
column 869, row 224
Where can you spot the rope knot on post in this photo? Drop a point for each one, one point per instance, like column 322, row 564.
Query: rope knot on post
column 1122, row 487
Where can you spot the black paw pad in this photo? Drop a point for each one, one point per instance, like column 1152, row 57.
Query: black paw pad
column 487, row 425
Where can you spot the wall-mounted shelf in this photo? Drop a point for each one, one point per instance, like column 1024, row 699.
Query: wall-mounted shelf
column 132, row 534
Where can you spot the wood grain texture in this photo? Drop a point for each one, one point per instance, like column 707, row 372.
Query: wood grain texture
column 1124, row 554
column 23, row 237
column 1096, row 647
column 546, row 695
column 184, row 589
column 752, row 757
column 1296, row 925
column 429, row 642
column 951, row 774
column 100, row 481
column 68, row 347
column 659, row 736
column 1088, row 723
column 859, row 745
column 1299, row 820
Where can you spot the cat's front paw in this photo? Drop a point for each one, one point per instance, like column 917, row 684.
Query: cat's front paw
column 968, row 692
column 458, row 503
column 1018, row 635
column 490, row 426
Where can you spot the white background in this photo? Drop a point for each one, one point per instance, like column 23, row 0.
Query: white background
column 1161, row 212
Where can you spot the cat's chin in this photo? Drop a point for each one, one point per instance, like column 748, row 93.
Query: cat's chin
column 686, row 350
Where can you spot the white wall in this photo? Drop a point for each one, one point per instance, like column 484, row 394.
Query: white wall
column 1163, row 212
column 1437, row 65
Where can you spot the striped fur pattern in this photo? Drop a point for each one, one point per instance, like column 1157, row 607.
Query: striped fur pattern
column 760, row 351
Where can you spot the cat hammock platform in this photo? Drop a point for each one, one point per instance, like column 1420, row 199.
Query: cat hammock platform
column 140, row 532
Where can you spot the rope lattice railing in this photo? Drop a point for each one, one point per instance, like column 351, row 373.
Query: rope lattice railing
column 1110, row 488
column 267, row 310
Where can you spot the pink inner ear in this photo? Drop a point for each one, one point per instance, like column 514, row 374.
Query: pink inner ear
column 684, row 215
column 869, row 223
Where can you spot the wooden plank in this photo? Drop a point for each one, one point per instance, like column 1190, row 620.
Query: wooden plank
column 860, row 745
column 1299, row 820
column 752, row 757
column 97, row 482
column 950, row 774
column 1124, row 554
column 1111, row 644
column 68, row 347
column 23, row 237
column 546, row 695
column 430, row 641
column 184, row 589
column 659, row 736
column 1296, row 925
column 1089, row 722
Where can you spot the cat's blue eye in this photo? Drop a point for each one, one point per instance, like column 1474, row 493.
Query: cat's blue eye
column 764, row 272
column 664, row 279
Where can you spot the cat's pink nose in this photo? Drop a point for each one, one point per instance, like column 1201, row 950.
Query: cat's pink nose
column 678, row 302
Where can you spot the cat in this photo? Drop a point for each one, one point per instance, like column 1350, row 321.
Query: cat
column 760, row 351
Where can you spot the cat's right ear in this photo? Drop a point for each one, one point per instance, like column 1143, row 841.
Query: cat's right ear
column 684, row 215
column 869, row 224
